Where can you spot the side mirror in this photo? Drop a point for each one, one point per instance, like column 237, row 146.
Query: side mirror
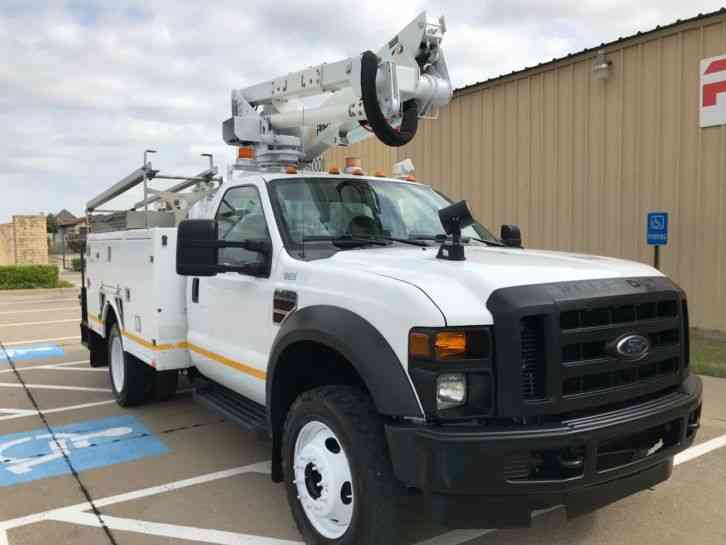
column 197, row 251
column 511, row 236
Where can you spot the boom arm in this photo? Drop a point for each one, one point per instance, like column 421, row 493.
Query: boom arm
column 385, row 92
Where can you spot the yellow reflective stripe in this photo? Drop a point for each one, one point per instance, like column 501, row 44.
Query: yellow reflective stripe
column 248, row 370
column 142, row 342
column 261, row 375
column 151, row 345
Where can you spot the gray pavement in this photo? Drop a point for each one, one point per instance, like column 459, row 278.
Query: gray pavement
column 207, row 481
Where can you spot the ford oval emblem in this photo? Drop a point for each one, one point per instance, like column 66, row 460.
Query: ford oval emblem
column 632, row 347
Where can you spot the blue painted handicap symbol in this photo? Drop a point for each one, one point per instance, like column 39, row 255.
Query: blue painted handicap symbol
column 31, row 353
column 33, row 455
column 657, row 228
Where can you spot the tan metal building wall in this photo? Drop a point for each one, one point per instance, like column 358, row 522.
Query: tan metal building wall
column 578, row 162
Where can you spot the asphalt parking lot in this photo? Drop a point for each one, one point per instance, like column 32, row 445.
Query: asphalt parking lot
column 176, row 473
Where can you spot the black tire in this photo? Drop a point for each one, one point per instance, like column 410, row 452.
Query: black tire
column 165, row 384
column 137, row 376
column 351, row 415
column 98, row 353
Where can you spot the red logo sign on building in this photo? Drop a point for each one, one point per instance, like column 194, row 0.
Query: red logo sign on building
column 713, row 91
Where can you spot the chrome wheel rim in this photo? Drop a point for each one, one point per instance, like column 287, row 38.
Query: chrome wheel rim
column 117, row 364
column 323, row 480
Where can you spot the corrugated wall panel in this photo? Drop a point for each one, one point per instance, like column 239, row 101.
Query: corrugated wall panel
column 690, row 251
column 578, row 162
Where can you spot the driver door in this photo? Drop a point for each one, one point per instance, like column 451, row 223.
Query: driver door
column 231, row 328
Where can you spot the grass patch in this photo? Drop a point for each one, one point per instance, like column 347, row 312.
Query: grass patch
column 20, row 277
column 708, row 354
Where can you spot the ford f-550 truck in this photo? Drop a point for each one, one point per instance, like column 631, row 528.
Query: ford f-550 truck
column 384, row 339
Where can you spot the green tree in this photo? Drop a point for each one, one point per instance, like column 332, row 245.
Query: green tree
column 52, row 224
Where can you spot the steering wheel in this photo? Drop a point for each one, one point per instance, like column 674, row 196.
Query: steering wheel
column 364, row 226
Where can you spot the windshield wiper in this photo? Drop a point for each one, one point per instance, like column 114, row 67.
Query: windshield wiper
column 487, row 242
column 412, row 241
column 347, row 241
column 441, row 238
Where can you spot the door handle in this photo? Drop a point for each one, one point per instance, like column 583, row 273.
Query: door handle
column 195, row 290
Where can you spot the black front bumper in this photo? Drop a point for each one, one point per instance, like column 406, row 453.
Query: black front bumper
column 496, row 476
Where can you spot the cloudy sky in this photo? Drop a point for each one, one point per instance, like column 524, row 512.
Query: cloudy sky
column 87, row 85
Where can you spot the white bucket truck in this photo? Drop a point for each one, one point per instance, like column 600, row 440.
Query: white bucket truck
column 384, row 339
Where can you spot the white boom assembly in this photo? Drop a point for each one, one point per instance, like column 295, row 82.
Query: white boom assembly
column 383, row 93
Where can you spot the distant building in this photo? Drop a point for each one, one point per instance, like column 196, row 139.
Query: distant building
column 64, row 217
column 70, row 230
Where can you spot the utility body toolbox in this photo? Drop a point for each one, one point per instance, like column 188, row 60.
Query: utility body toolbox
column 135, row 273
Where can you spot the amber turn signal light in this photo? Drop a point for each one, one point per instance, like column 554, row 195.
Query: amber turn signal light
column 246, row 153
column 450, row 344
column 419, row 345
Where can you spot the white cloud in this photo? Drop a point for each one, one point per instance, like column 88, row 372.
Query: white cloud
column 87, row 85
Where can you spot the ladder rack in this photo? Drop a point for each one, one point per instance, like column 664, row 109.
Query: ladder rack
column 175, row 203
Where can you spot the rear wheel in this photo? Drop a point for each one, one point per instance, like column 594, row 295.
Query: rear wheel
column 339, row 479
column 130, row 377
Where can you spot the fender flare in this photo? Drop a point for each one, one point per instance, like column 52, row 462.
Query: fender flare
column 359, row 342
column 111, row 305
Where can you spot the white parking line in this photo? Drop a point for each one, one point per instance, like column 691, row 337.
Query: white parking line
column 700, row 449
column 262, row 467
column 24, row 324
column 52, row 387
column 60, row 366
column 36, row 301
column 35, row 310
column 33, row 341
column 96, row 369
column 60, row 409
column 67, row 363
column 190, row 533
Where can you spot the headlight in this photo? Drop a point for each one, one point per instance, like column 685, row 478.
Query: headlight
column 452, row 369
column 450, row 390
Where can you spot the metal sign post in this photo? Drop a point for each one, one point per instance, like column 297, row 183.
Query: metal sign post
column 657, row 233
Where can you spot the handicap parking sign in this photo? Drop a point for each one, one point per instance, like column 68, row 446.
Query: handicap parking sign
column 39, row 454
column 657, row 228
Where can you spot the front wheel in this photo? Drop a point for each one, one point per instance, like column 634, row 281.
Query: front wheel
column 338, row 474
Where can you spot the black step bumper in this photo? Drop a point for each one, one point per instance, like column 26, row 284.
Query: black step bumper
column 495, row 477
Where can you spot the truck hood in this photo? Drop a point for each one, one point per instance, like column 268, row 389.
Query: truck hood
column 461, row 288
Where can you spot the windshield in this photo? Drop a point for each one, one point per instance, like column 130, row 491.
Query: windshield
column 331, row 208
